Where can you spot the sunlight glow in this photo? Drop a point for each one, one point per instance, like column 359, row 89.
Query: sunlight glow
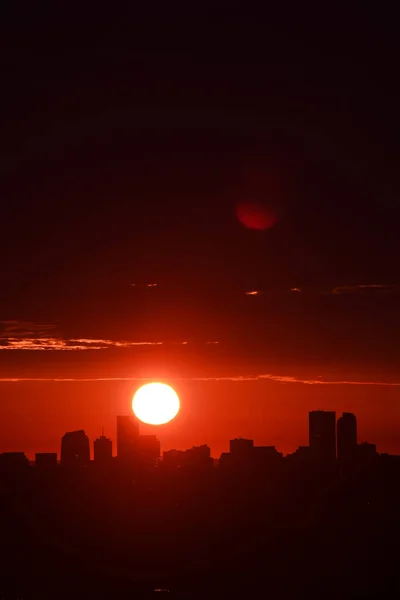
column 155, row 403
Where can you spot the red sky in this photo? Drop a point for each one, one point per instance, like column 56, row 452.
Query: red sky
column 34, row 415
column 124, row 166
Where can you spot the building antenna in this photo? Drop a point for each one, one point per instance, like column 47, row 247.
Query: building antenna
column 102, row 431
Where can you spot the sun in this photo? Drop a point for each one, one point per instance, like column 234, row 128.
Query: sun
column 155, row 403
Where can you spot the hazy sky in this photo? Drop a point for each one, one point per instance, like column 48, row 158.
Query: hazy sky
column 124, row 155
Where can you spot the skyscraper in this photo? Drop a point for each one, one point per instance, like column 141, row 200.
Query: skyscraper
column 346, row 436
column 75, row 450
column 127, row 438
column 322, row 434
column 102, row 450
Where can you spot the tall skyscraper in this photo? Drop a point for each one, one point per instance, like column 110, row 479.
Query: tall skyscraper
column 102, row 450
column 322, row 434
column 75, row 450
column 127, row 438
column 346, row 436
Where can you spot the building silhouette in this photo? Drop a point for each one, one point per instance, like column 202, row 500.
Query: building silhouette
column 346, row 437
column 300, row 456
column 266, row 454
column 322, row 434
column 13, row 461
column 127, row 439
column 240, row 455
column 366, row 451
column 244, row 455
column 102, row 450
column 240, row 447
column 172, row 458
column 149, row 450
column 75, row 449
column 198, row 456
column 46, row 460
column 158, row 518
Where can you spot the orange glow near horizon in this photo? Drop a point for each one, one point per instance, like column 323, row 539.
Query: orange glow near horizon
column 155, row 403
column 270, row 409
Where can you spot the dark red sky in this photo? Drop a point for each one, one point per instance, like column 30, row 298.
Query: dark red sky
column 128, row 142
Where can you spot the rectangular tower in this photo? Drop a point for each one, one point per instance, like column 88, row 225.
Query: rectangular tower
column 127, row 438
column 322, row 434
column 346, row 437
column 102, row 450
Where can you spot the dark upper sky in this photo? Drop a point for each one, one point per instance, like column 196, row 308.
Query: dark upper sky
column 127, row 141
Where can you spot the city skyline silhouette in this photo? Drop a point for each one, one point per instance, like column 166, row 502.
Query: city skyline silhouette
column 329, row 439
column 104, row 526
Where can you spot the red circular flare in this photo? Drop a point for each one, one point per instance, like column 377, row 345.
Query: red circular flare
column 256, row 216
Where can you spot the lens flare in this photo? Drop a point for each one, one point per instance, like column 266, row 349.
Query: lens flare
column 255, row 215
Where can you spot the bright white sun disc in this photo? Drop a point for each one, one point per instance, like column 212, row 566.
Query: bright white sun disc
column 155, row 403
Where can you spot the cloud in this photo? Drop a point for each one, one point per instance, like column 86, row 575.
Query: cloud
column 59, row 344
column 24, row 328
column 337, row 290
column 320, row 381
column 291, row 379
column 239, row 378
column 366, row 287
column 17, row 335
column 24, row 343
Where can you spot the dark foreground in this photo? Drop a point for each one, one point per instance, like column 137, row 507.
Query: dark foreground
column 297, row 531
